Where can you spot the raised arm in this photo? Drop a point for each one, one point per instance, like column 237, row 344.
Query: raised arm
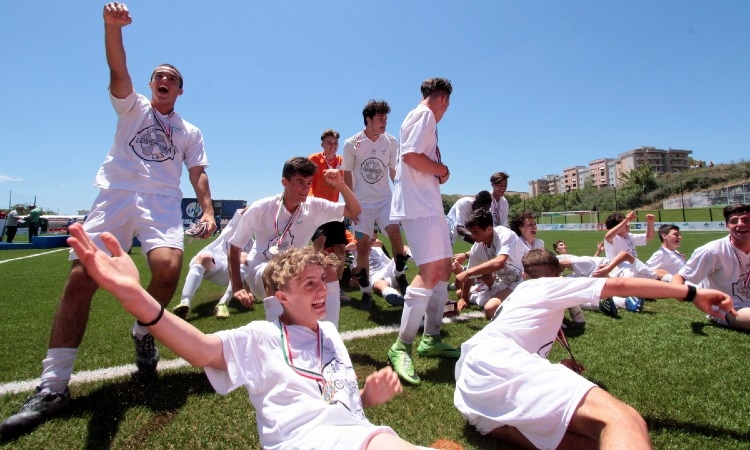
column 610, row 236
column 118, row 275
column 335, row 179
column 117, row 16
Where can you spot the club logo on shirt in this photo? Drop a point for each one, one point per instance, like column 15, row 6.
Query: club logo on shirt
column 740, row 289
column 152, row 144
column 341, row 387
column 372, row 170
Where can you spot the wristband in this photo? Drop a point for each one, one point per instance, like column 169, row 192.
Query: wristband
column 153, row 322
column 690, row 294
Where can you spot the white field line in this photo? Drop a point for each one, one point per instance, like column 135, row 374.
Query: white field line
column 32, row 256
column 90, row 376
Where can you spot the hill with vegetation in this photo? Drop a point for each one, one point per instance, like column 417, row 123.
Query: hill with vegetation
column 641, row 188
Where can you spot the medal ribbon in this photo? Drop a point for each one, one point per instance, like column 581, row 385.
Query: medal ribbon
column 309, row 374
column 279, row 237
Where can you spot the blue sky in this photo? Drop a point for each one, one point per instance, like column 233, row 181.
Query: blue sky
column 538, row 86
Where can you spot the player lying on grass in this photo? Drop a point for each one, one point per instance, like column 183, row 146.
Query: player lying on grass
column 296, row 369
column 506, row 387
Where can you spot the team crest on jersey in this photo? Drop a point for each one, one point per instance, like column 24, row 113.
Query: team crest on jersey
column 741, row 289
column 372, row 170
column 340, row 387
column 152, row 144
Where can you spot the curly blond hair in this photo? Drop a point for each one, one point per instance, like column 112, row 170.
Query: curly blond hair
column 290, row 264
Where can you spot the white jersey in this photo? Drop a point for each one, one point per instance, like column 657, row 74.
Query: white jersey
column 416, row 194
column 220, row 246
column 301, row 383
column 459, row 212
column 584, row 266
column 624, row 244
column 507, row 360
column 722, row 266
column 370, row 164
column 500, row 209
column 144, row 157
column 269, row 222
column 666, row 259
column 504, row 242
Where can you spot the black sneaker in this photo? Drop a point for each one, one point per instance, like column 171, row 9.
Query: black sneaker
column 366, row 302
column 35, row 409
column 146, row 354
column 608, row 307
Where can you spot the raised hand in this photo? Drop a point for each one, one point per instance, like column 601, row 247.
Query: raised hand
column 117, row 14
column 380, row 387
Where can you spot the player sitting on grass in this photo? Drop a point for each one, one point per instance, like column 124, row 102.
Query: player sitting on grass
column 382, row 271
column 296, row 369
column 211, row 264
column 506, row 387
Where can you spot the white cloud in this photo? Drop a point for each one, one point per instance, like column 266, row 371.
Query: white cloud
column 5, row 177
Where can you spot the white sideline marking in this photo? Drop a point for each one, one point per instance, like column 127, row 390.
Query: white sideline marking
column 90, row 376
column 38, row 254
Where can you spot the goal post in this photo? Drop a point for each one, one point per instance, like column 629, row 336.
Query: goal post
column 568, row 220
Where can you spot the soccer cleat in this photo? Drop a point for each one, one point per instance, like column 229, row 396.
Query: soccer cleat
column 395, row 299
column 608, row 307
column 182, row 310
column 634, row 304
column 366, row 302
column 433, row 346
column 400, row 359
column 35, row 409
column 146, row 354
column 221, row 311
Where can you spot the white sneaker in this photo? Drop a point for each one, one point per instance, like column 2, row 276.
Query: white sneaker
column 183, row 309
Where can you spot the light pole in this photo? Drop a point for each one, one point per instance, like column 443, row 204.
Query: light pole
column 615, row 199
column 682, row 201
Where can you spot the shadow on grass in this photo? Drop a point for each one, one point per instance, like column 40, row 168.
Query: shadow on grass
column 476, row 439
column 696, row 429
column 698, row 328
column 107, row 406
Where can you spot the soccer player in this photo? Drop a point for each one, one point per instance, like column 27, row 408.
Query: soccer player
column 506, row 386
column 500, row 206
column 369, row 164
column 296, row 356
column 724, row 264
column 140, row 195
column 461, row 210
column 211, row 264
column 667, row 257
column 418, row 205
column 287, row 220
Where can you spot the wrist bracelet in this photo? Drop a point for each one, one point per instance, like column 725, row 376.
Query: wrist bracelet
column 691, row 293
column 153, row 322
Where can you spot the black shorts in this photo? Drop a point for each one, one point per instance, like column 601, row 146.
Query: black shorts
column 335, row 233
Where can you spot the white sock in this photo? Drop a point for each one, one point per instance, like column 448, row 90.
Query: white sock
column 415, row 305
column 57, row 368
column 619, row 302
column 389, row 290
column 192, row 281
column 273, row 308
column 139, row 331
column 433, row 319
column 367, row 289
column 333, row 303
column 227, row 295
column 591, row 306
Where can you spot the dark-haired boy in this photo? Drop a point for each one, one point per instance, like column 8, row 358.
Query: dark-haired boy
column 724, row 264
column 461, row 210
column 369, row 163
column 506, row 386
column 667, row 257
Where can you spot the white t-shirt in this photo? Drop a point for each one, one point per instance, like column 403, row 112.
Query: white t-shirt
column 370, row 164
column 260, row 221
column 499, row 209
column 583, row 266
column 626, row 244
column 301, row 383
column 416, row 194
column 504, row 242
column 219, row 248
column 144, row 158
column 666, row 259
column 460, row 211
column 722, row 266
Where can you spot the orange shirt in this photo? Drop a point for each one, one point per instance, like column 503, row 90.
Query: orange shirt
column 319, row 187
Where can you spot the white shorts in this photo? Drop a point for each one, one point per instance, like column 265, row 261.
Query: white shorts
column 387, row 273
column 636, row 270
column 499, row 383
column 428, row 238
column 155, row 219
column 374, row 213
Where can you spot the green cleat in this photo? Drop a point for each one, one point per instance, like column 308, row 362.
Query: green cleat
column 221, row 311
column 400, row 357
column 433, row 346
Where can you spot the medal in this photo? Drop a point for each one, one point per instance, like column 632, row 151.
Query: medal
column 274, row 250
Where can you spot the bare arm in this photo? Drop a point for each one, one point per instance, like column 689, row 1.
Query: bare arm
column 199, row 180
column 621, row 257
column 649, row 226
column 610, row 236
column 334, row 178
column 117, row 16
column 118, row 275
column 348, row 179
column 392, row 171
column 487, row 267
column 421, row 162
column 704, row 298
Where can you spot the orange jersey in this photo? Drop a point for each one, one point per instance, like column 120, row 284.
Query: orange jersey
column 319, row 187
